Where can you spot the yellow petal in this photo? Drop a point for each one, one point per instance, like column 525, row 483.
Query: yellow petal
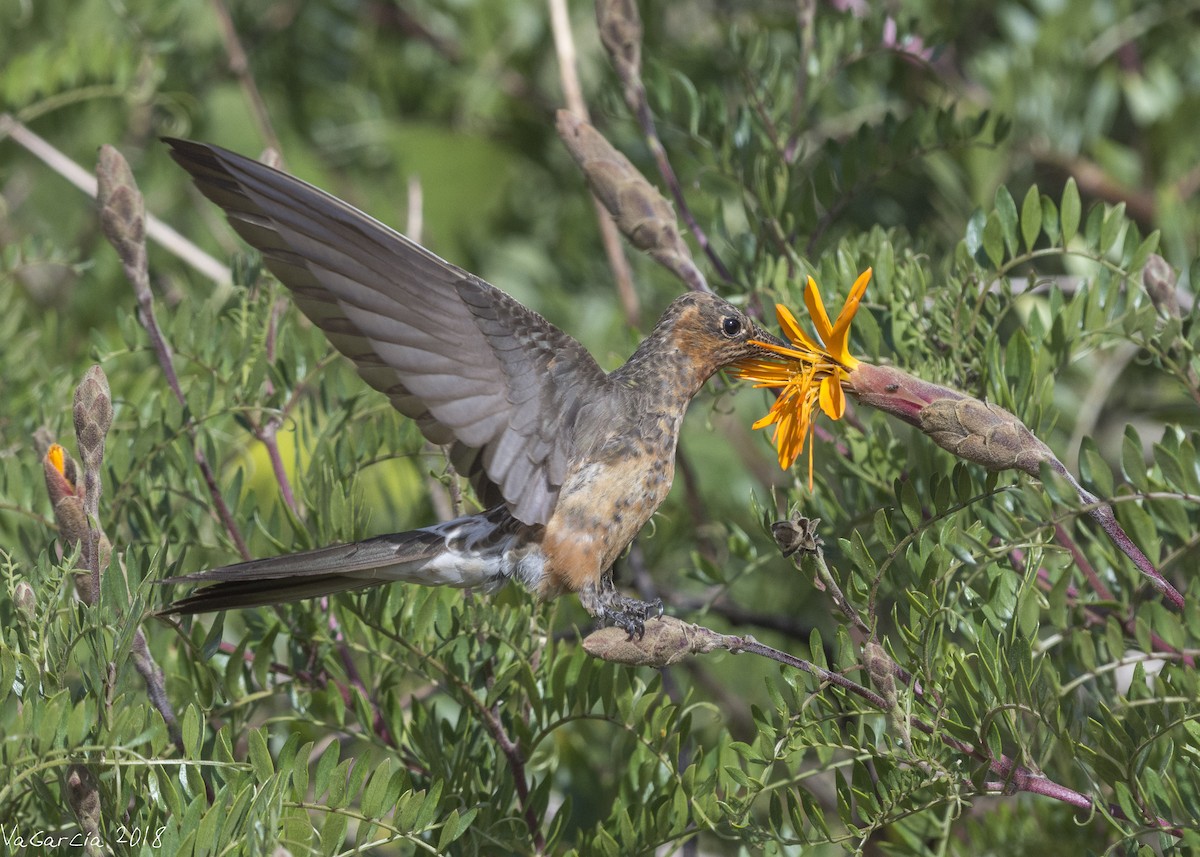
column 816, row 310
column 810, row 463
column 833, row 400
column 791, row 329
column 56, row 455
column 837, row 341
column 765, row 372
column 771, row 417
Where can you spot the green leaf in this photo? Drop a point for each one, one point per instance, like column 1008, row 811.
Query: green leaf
column 339, row 790
column 1114, row 223
column 1171, row 469
column 974, row 234
column 1149, row 245
column 333, row 832
column 1093, row 226
column 1018, row 367
column 79, row 722
column 1050, row 220
column 1031, row 217
column 191, row 732
column 299, row 770
column 993, row 240
column 1006, row 214
column 882, row 527
column 212, row 641
column 325, row 766
column 1094, row 470
column 860, row 554
column 372, row 805
column 260, row 756
column 1070, row 210
column 455, row 826
column 1133, row 460
column 429, row 806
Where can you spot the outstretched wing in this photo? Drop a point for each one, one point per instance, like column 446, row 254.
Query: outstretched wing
column 470, row 364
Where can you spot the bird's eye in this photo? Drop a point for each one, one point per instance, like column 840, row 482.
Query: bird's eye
column 731, row 326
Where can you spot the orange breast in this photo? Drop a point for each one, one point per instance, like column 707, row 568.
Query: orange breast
column 600, row 508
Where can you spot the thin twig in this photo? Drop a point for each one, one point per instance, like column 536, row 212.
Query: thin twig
column 669, row 640
column 162, row 351
column 163, row 234
column 1102, row 514
column 239, row 64
column 516, row 763
column 564, row 46
column 1096, row 614
column 805, row 20
column 621, row 31
column 268, row 432
column 646, row 120
column 122, row 209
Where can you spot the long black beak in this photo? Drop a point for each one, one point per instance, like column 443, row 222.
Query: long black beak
column 762, row 336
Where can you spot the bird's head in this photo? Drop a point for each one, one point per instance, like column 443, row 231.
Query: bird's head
column 713, row 333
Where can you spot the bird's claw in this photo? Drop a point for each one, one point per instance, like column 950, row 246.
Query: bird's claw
column 630, row 614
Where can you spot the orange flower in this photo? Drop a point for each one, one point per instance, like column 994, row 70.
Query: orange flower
column 809, row 373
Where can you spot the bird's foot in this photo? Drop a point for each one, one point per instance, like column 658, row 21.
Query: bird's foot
column 612, row 608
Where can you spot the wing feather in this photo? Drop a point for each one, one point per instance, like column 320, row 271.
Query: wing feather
column 472, row 366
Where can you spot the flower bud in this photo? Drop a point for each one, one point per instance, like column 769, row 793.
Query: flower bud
column 984, row 433
column 1159, row 279
column 882, row 670
column 93, row 413
column 620, row 28
column 25, row 599
column 61, row 474
column 72, row 521
column 69, row 514
column 84, row 798
column 666, row 641
column 642, row 214
column 122, row 208
column 797, row 534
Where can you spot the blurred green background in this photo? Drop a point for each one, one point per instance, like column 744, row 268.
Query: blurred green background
column 851, row 133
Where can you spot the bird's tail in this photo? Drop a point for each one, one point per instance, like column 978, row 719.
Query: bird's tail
column 419, row 556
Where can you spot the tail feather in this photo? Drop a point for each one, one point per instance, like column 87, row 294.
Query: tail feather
column 410, row 556
column 235, row 594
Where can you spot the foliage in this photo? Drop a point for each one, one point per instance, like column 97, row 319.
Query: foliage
column 1008, row 169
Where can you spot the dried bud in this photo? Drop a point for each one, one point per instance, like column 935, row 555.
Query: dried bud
column 72, row 521
column 85, row 581
column 84, row 798
column 642, row 214
column 667, row 640
column 93, row 414
column 25, row 599
column 620, row 28
column 797, row 534
column 1159, row 279
column 93, row 418
column 882, row 670
column 122, row 208
column 984, row 433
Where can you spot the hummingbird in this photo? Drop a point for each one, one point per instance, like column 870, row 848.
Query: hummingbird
column 568, row 461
